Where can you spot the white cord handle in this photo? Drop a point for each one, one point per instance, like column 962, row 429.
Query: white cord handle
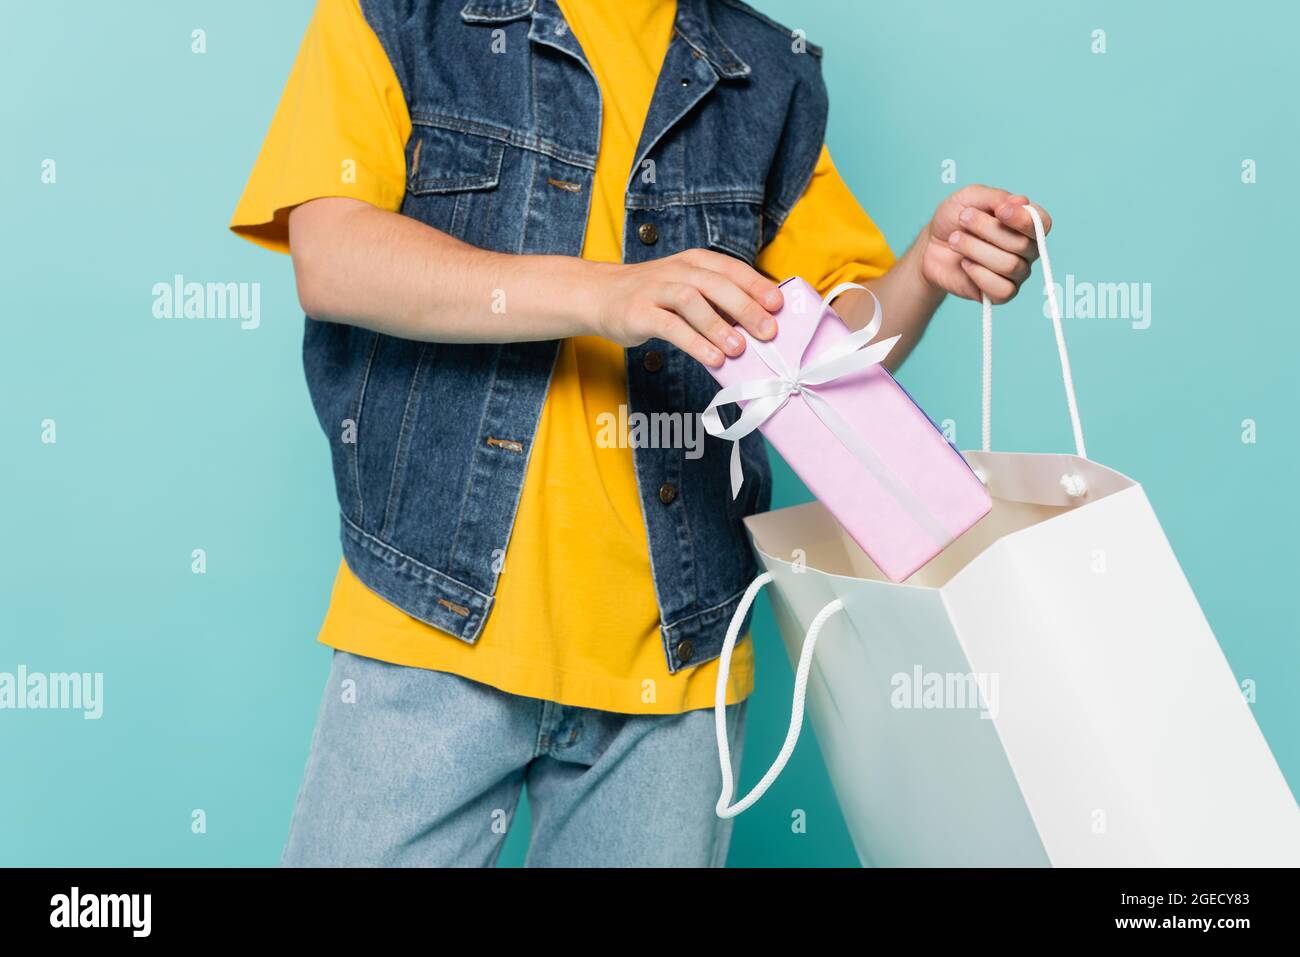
column 1055, row 308
column 724, row 808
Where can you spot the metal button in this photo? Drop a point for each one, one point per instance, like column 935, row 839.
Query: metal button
column 686, row 81
column 685, row 650
column 667, row 492
column 653, row 361
column 648, row 234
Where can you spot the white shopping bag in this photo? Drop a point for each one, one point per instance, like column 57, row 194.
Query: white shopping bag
column 1046, row 691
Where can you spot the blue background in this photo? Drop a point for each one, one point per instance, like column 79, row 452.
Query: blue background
column 177, row 435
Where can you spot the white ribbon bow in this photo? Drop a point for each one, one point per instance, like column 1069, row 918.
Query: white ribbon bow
column 765, row 397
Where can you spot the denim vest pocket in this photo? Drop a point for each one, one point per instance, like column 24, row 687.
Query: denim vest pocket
column 733, row 228
column 448, row 161
column 451, row 180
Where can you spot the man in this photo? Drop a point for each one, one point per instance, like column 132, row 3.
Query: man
column 508, row 218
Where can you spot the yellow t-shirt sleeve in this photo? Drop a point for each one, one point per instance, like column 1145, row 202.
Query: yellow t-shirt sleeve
column 828, row 238
column 340, row 129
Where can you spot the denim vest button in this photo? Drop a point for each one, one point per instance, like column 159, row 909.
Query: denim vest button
column 653, row 361
column 648, row 234
column 685, row 650
column 667, row 492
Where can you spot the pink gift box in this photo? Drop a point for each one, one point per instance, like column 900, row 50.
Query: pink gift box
column 915, row 496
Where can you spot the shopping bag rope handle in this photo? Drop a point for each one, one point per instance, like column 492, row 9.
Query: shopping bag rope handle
column 725, row 809
column 1040, row 234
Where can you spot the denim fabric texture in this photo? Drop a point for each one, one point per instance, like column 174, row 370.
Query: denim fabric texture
column 419, row 768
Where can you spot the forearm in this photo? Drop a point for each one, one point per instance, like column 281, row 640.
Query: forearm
column 907, row 302
column 380, row 270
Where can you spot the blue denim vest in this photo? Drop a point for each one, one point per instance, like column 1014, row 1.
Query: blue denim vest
column 431, row 441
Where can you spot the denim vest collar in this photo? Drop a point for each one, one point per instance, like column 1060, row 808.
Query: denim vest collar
column 693, row 23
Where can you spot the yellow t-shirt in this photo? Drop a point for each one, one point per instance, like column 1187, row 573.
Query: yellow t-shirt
column 575, row 618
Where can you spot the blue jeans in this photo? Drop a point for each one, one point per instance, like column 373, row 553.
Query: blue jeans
column 410, row 767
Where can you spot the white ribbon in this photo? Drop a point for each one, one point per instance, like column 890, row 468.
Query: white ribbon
column 765, row 397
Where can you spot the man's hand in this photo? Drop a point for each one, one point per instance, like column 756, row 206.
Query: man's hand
column 690, row 299
column 981, row 241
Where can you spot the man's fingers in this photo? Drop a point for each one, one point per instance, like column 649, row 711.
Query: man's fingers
column 688, row 302
column 701, row 292
column 1013, row 214
column 761, row 289
column 734, row 302
column 987, row 198
column 998, row 288
column 986, row 227
column 1005, row 264
column 1007, row 207
column 673, row 328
